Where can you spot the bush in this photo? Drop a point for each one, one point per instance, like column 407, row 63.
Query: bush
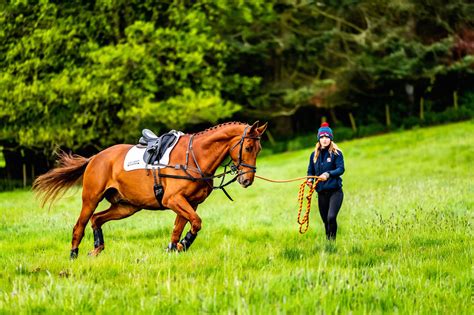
column 449, row 115
column 343, row 133
column 10, row 184
column 411, row 122
column 467, row 101
column 464, row 112
column 372, row 129
column 301, row 142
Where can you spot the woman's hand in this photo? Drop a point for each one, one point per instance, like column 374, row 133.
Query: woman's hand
column 309, row 183
column 324, row 176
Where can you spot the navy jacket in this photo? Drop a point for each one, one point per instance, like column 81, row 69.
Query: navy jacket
column 330, row 163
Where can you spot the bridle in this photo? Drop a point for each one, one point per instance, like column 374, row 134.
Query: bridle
column 253, row 168
column 235, row 168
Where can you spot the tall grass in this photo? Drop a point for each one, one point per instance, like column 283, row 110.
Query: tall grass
column 404, row 244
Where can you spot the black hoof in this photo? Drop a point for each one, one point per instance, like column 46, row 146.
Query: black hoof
column 74, row 253
column 171, row 248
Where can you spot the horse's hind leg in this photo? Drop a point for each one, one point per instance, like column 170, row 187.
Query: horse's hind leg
column 116, row 211
column 88, row 207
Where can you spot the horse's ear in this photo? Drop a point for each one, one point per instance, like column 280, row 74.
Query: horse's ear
column 256, row 129
column 262, row 128
column 253, row 128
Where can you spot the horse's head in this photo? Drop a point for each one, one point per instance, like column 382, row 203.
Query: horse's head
column 244, row 153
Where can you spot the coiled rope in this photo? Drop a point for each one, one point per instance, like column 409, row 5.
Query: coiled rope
column 303, row 222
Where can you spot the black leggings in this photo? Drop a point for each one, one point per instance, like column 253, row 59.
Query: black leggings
column 329, row 203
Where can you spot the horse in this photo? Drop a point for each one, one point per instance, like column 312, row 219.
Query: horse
column 185, row 185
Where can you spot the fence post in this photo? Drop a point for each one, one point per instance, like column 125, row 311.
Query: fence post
column 422, row 108
column 23, row 167
column 387, row 116
column 353, row 123
column 455, row 100
column 270, row 137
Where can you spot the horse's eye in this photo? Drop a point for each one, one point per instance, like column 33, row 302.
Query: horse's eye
column 248, row 149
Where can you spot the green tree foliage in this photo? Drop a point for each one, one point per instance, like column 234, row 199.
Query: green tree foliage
column 343, row 50
column 92, row 73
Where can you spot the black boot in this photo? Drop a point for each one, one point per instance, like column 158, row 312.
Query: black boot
column 74, row 253
column 98, row 237
column 188, row 240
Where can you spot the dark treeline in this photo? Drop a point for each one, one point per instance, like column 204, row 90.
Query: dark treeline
column 83, row 75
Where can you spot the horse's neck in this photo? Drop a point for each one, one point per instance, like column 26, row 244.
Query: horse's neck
column 214, row 147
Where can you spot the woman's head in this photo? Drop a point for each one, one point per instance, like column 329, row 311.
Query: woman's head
column 324, row 130
column 325, row 135
column 325, row 138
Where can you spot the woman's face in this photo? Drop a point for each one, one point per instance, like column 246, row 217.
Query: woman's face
column 324, row 141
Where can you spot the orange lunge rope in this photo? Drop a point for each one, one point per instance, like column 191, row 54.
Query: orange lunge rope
column 303, row 222
column 285, row 180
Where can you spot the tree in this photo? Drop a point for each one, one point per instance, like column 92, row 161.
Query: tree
column 88, row 74
column 91, row 74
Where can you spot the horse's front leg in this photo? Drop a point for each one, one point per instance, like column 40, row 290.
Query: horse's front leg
column 185, row 212
column 179, row 224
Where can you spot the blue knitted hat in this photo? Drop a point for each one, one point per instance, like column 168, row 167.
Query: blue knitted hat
column 324, row 130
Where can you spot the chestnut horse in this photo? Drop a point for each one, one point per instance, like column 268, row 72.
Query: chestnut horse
column 128, row 192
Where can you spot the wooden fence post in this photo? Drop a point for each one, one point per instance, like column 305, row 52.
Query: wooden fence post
column 455, row 100
column 270, row 137
column 387, row 115
column 422, row 108
column 353, row 123
column 23, row 167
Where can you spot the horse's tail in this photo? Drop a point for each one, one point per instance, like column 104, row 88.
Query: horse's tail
column 54, row 183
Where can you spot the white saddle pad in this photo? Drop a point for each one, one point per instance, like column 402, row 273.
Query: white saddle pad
column 134, row 158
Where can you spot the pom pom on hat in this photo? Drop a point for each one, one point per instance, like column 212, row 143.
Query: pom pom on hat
column 325, row 130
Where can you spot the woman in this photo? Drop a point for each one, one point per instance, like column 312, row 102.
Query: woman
column 327, row 162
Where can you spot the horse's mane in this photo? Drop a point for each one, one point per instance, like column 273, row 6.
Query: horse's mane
column 219, row 126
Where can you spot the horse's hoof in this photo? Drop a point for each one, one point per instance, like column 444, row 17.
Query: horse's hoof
column 74, row 253
column 96, row 251
column 180, row 247
column 172, row 247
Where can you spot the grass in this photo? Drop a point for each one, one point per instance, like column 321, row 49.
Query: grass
column 404, row 244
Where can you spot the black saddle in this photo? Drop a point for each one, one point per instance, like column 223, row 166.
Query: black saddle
column 156, row 146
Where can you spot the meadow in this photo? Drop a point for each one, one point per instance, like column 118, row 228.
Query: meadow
column 404, row 243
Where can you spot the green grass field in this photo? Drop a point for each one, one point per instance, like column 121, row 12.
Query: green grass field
column 404, row 244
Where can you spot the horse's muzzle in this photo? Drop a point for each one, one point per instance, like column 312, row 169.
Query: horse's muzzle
column 244, row 182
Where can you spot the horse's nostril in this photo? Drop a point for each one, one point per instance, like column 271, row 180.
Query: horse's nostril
column 246, row 182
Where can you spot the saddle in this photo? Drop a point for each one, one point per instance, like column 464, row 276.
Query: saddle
column 156, row 146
